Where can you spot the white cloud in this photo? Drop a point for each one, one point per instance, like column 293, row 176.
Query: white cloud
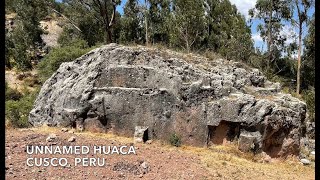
column 244, row 6
column 257, row 38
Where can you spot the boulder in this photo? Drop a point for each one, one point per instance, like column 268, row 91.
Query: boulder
column 117, row 88
column 310, row 130
column 249, row 141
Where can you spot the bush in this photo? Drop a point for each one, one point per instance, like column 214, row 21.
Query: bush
column 12, row 94
column 175, row 140
column 309, row 97
column 17, row 111
column 57, row 56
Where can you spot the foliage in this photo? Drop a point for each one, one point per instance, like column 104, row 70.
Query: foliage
column 18, row 50
column 102, row 14
column 9, row 47
column 52, row 61
column 17, row 111
column 231, row 37
column 308, row 58
column 309, row 97
column 158, row 16
column 175, row 140
column 68, row 36
column 272, row 13
column 188, row 24
column 130, row 20
column 10, row 6
column 25, row 39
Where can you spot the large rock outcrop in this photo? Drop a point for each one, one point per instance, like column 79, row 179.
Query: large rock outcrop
column 204, row 101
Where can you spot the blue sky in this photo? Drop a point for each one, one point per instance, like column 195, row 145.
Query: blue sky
column 243, row 7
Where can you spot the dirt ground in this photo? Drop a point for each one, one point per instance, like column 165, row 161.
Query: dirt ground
column 157, row 160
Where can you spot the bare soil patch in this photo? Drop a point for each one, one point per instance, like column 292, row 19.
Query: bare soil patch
column 162, row 160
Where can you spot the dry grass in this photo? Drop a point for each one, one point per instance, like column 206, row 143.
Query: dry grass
column 229, row 160
column 23, row 83
column 222, row 161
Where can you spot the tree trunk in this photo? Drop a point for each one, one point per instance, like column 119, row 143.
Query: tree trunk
column 108, row 35
column 299, row 59
column 269, row 37
column 107, row 29
column 187, row 46
column 146, row 23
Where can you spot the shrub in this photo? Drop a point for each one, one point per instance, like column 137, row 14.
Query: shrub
column 57, row 56
column 17, row 111
column 175, row 140
column 309, row 97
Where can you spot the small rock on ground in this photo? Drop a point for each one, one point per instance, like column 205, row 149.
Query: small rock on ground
column 305, row 161
column 64, row 130
column 51, row 138
column 72, row 139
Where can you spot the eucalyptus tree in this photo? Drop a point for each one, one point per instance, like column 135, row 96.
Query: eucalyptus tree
column 227, row 31
column 273, row 13
column 103, row 11
column 301, row 7
column 187, row 23
column 131, row 22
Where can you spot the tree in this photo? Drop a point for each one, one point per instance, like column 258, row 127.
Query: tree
column 30, row 13
column 302, row 7
column 146, row 22
column 308, row 57
column 21, row 42
column 25, row 39
column 272, row 13
column 9, row 47
column 104, row 11
column 130, row 22
column 188, row 23
column 158, row 14
column 227, row 32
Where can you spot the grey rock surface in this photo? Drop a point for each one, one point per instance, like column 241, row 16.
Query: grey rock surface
column 139, row 134
column 250, row 141
column 200, row 99
column 51, row 138
column 307, row 146
column 310, row 130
